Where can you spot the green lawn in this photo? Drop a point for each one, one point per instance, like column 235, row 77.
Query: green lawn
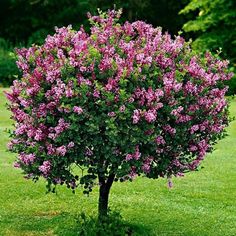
column 202, row 203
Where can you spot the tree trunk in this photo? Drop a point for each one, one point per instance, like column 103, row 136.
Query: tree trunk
column 104, row 191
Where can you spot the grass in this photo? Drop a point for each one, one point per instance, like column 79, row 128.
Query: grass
column 202, row 203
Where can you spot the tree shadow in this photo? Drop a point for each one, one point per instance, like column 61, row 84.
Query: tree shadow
column 114, row 225
column 67, row 224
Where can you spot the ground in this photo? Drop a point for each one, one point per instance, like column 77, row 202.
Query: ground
column 202, row 203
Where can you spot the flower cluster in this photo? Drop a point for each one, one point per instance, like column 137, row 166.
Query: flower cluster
column 128, row 88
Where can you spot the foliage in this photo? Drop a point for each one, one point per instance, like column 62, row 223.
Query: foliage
column 122, row 101
column 8, row 68
column 29, row 21
column 214, row 26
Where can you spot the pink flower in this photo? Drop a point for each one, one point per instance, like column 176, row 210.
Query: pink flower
column 160, row 140
column 136, row 116
column 128, row 157
column 140, row 57
column 183, row 119
column 96, row 93
column 135, row 119
column 122, row 108
column 50, row 149
column 71, row 145
column 177, row 111
column 21, row 129
column 111, row 114
column 148, row 60
column 52, row 136
column 194, row 128
column 78, row 110
column 131, row 100
column 137, row 153
column 193, row 148
column 69, row 92
column 42, row 110
column 169, row 129
column 132, row 173
column 146, row 167
column 159, row 150
column 45, row 168
column 39, row 135
column 61, row 151
column 62, row 126
column 27, row 159
column 159, row 93
column 150, row 116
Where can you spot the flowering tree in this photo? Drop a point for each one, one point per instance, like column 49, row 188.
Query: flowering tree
column 121, row 101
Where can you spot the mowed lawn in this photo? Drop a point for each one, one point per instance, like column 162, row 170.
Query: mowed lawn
column 202, row 203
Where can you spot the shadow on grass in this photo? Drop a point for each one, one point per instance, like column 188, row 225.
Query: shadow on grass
column 66, row 224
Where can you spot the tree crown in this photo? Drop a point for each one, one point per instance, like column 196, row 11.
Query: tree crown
column 120, row 101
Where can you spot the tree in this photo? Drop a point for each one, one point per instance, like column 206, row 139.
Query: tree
column 122, row 101
column 24, row 22
column 214, row 28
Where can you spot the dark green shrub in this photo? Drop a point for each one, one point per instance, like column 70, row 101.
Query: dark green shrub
column 8, row 68
column 232, row 83
column 113, row 225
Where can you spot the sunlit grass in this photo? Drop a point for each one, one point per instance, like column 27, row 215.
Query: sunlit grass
column 201, row 203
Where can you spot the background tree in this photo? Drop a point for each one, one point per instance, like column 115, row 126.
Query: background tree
column 120, row 101
column 214, row 28
column 24, row 22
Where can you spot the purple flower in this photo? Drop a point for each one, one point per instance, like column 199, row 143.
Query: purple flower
column 96, row 93
column 69, row 92
column 21, row 129
column 122, row 108
column 45, row 168
column 169, row 129
column 150, row 116
column 111, row 114
column 146, row 167
column 136, row 116
column 39, row 135
column 133, row 173
column 160, row 140
column 27, row 159
column 128, row 157
column 50, row 149
column 78, row 110
column 52, row 136
column 137, row 153
column 194, row 128
column 61, row 151
column 71, row 145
